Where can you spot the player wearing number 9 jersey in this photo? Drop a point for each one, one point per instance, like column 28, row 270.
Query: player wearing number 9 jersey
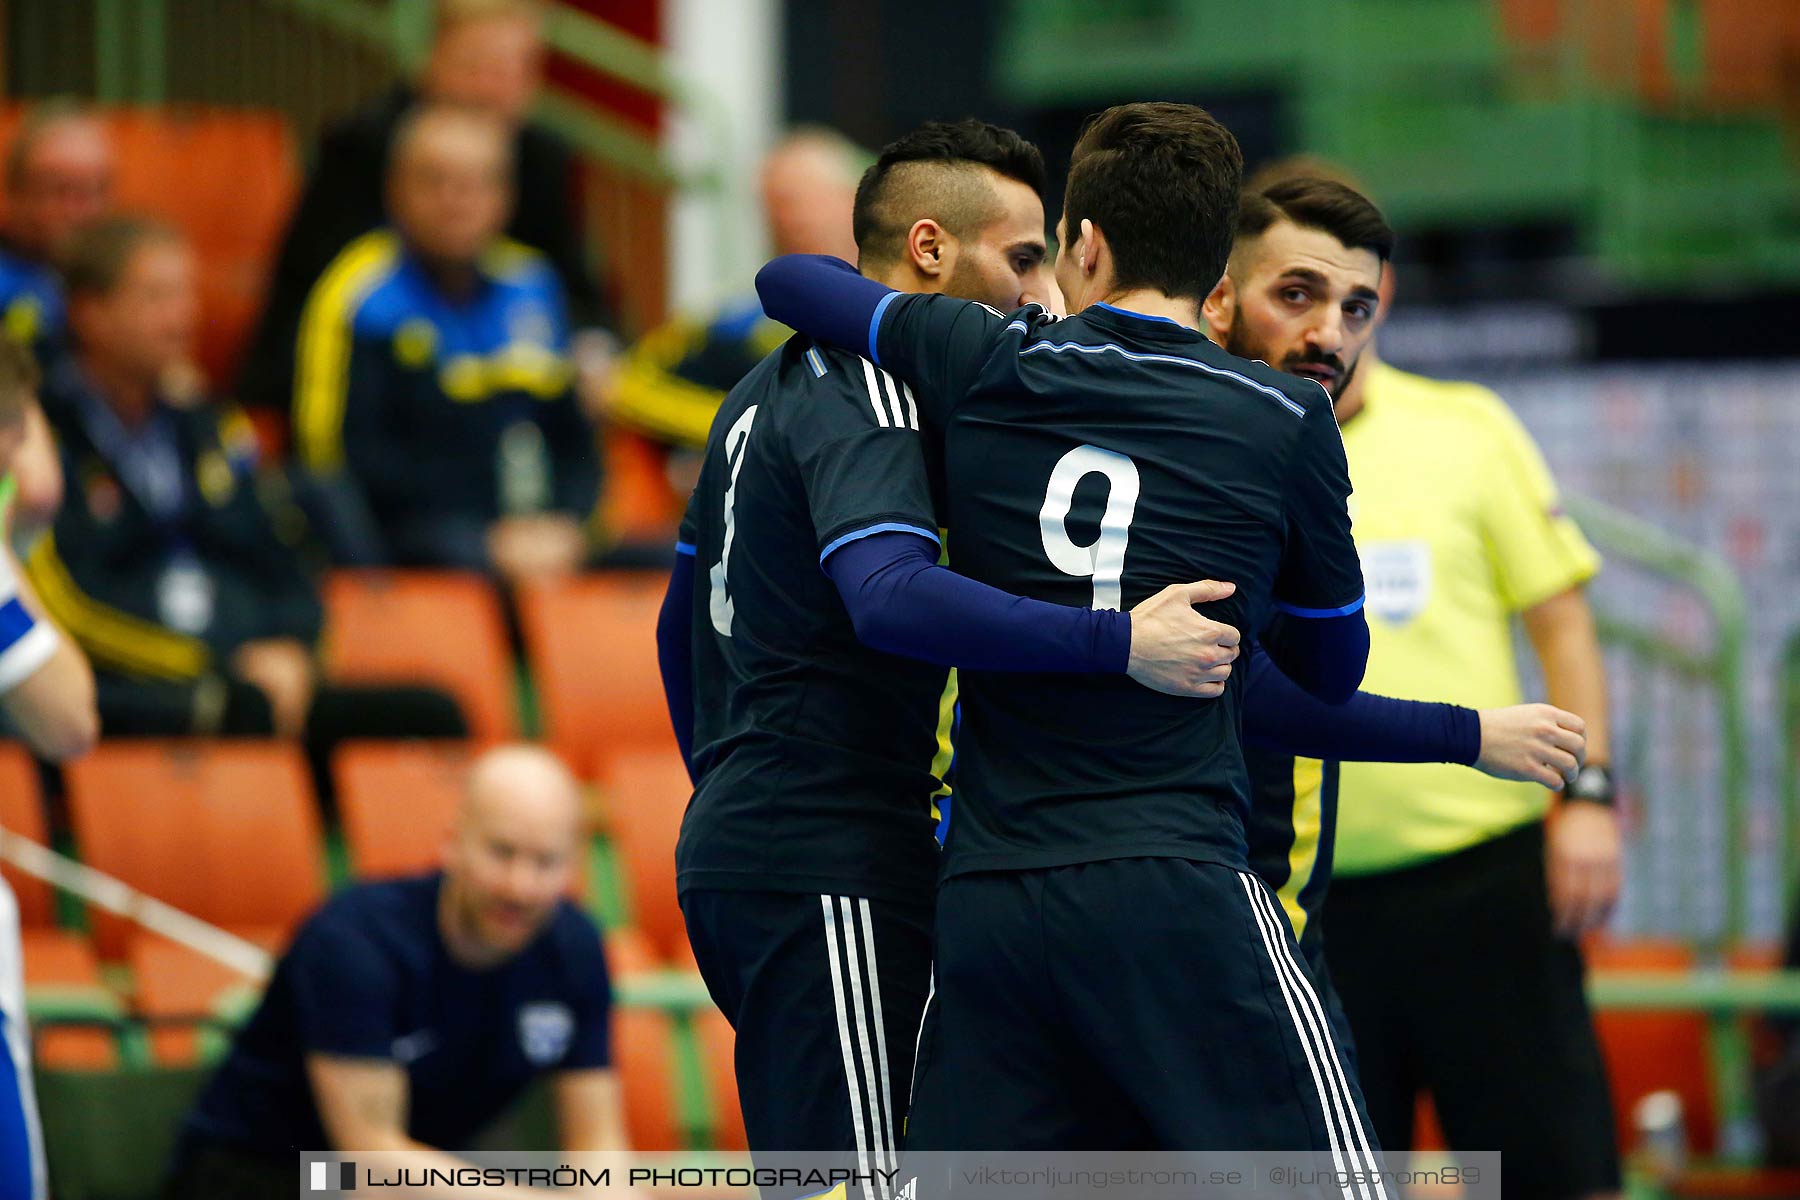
column 1109, row 973
column 806, row 862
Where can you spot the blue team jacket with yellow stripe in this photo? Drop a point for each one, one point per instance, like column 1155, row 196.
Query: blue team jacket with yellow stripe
column 410, row 393
column 31, row 305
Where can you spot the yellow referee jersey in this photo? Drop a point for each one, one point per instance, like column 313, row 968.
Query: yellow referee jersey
column 1459, row 527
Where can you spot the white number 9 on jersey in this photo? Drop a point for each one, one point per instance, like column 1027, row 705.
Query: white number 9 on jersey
column 1104, row 559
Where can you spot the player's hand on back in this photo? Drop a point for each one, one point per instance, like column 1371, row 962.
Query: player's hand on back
column 1176, row 650
column 1532, row 743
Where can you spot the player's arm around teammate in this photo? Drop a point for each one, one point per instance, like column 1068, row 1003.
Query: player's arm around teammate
column 1535, row 743
column 938, row 345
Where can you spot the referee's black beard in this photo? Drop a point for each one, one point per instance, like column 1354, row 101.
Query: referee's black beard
column 1238, row 342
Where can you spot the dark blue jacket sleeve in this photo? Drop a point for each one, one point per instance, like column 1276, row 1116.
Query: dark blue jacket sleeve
column 902, row 602
column 1325, row 655
column 1282, row 716
column 675, row 651
column 824, row 298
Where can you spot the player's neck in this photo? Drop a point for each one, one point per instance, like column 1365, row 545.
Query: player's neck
column 1151, row 303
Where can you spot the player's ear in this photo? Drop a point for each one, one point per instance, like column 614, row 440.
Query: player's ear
column 1089, row 247
column 929, row 248
column 1217, row 308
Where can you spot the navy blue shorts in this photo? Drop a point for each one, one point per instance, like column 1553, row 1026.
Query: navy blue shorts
column 1131, row 1004
column 825, row 993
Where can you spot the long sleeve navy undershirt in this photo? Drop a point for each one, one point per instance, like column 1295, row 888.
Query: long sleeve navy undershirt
column 1278, row 713
column 824, row 298
column 675, row 652
column 902, row 602
column 1325, row 655
column 1281, row 715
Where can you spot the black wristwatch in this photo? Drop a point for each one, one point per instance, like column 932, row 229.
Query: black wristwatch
column 1594, row 784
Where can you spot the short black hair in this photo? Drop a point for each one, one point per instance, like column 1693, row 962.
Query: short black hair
column 1162, row 181
column 908, row 182
column 1314, row 202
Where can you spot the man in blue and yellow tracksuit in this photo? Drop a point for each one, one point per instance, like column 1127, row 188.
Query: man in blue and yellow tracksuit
column 59, row 178
column 433, row 392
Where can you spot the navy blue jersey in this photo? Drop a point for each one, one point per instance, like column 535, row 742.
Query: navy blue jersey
column 814, row 753
column 1094, row 461
column 368, row 977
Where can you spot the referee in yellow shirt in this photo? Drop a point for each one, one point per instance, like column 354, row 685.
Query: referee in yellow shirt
column 1451, row 924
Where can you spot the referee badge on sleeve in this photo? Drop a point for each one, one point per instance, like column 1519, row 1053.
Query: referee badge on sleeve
column 545, row 1031
column 1396, row 579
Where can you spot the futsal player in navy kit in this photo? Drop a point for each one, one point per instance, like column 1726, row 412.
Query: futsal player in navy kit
column 408, row 1014
column 806, row 863
column 1091, row 461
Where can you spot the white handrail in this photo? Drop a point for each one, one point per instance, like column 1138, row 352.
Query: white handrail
column 117, row 896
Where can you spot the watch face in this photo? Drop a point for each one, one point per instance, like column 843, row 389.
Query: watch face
column 1591, row 781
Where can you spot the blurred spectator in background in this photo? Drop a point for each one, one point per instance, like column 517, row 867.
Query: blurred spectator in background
column 59, row 178
column 408, row 1014
column 434, row 401
column 487, row 54
column 673, row 380
column 47, row 694
column 164, row 563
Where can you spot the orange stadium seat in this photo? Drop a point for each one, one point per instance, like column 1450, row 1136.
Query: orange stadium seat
column 224, row 177
column 1751, row 53
column 628, row 952
column 177, row 989
column 64, row 963
column 56, row 960
column 647, row 791
column 717, row 1044
column 226, row 831
column 22, row 812
column 441, row 628
column 1654, row 1051
column 591, row 642
column 643, row 1048
column 396, row 803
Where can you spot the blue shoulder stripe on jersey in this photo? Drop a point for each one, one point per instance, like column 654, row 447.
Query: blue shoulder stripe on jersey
column 875, row 326
column 1294, row 610
column 687, row 548
column 816, row 362
column 871, row 531
column 15, row 623
column 1273, row 393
